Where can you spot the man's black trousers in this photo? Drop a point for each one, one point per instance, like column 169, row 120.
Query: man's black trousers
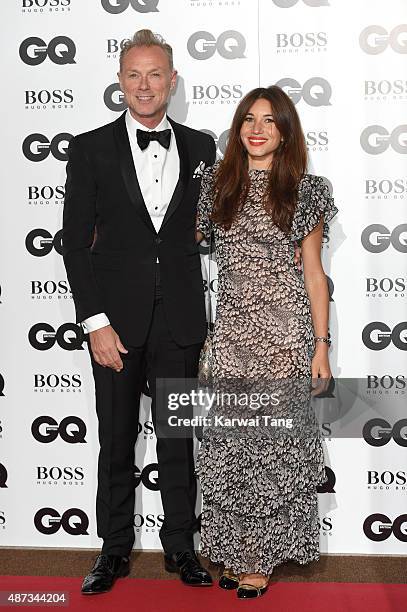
column 117, row 406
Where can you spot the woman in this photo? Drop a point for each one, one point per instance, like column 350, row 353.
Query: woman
column 259, row 493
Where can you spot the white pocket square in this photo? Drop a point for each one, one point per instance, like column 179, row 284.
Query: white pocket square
column 199, row 170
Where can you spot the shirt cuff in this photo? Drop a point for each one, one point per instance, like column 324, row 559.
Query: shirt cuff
column 95, row 322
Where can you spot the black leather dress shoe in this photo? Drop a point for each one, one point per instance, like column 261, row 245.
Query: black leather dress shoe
column 106, row 570
column 188, row 567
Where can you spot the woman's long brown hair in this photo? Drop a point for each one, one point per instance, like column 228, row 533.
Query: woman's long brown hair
column 288, row 167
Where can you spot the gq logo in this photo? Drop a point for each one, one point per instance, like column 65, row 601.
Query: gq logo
column 385, row 527
column 50, row 337
column 141, row 6
column 316, row 91
column 383, row 238
column 220, row 142
column 114, row 98
column 375, row 39
column 331, row 287
column 43, row 147
column 384, row 336
column 328, row 486
column 73, row 521
column 375, row 139
column 39, row 242
column 71, row 429
column 290, row 3
column 378, row 432
column 149, row 477
column 60, row 50
column 230, row 45
column 3, row 477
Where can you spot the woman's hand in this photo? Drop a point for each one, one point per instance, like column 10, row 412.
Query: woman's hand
column 199, row 236
column 320, row 370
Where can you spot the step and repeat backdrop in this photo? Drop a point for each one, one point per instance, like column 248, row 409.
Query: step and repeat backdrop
column 343, row 64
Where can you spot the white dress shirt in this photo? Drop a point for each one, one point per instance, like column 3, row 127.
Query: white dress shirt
column 157, row 172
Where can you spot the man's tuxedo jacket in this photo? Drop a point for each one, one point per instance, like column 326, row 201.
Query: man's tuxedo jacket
column 115, row 273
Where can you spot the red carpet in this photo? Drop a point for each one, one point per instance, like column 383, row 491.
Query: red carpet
column 140, row 595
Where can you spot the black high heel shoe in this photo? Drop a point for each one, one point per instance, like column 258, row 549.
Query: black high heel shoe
column 228, row 580
column 249, row 591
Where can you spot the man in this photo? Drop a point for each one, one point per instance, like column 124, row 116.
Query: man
column 138, row 292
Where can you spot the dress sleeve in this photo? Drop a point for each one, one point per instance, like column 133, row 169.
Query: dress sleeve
column 314, row 202
column 205, row 202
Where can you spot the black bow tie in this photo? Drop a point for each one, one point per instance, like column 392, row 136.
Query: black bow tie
column 144, row 138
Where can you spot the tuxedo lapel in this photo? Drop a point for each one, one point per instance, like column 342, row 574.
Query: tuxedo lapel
column 184, row 171
column 128, row 170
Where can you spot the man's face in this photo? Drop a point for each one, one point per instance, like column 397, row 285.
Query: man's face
column 146, row 81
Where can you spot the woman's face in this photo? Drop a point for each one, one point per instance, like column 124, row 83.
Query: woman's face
column 259, row 134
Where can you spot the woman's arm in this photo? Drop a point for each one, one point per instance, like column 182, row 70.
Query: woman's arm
column 317, row 288
column 199, row 236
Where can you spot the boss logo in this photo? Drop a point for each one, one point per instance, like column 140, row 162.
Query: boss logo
column 57, row 381
column 213, row 285
column 230, row 45
column 384, row 286
column 49, row 288
column 209, row 94
column 69, row 336
column 378, row 432
column 315, row 91
column 115, row 7
column 3, row 477
column 44, row 97
column 220, row 141
column 378, row 527
column 45, row 193
column 45, row 3
column 326, row 429
column 73, row 521
column 71, row 429
column 325, row 526
column 39, row 242
column 386, row 187
column 386, row 382
column 58, row 147
column 376, row 238
column 114, row 98
column 385, row 88
column 114, row 46
column 60, row 50
column 377, row 336
column 295, row 41
column 328, row 486
column 2, row 519
column 317, row 140
column 149, row 521
column 55, row 473
column 146, row 429
column 149, row 477
column 375, row 139
column 375, row 39
column 290, row 3
column 386, row 478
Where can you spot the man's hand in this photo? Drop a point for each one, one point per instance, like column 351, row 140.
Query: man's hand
column 297, row 256
column 106, row 348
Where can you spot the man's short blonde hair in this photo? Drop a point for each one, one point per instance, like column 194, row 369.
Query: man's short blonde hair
column 147, row 38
